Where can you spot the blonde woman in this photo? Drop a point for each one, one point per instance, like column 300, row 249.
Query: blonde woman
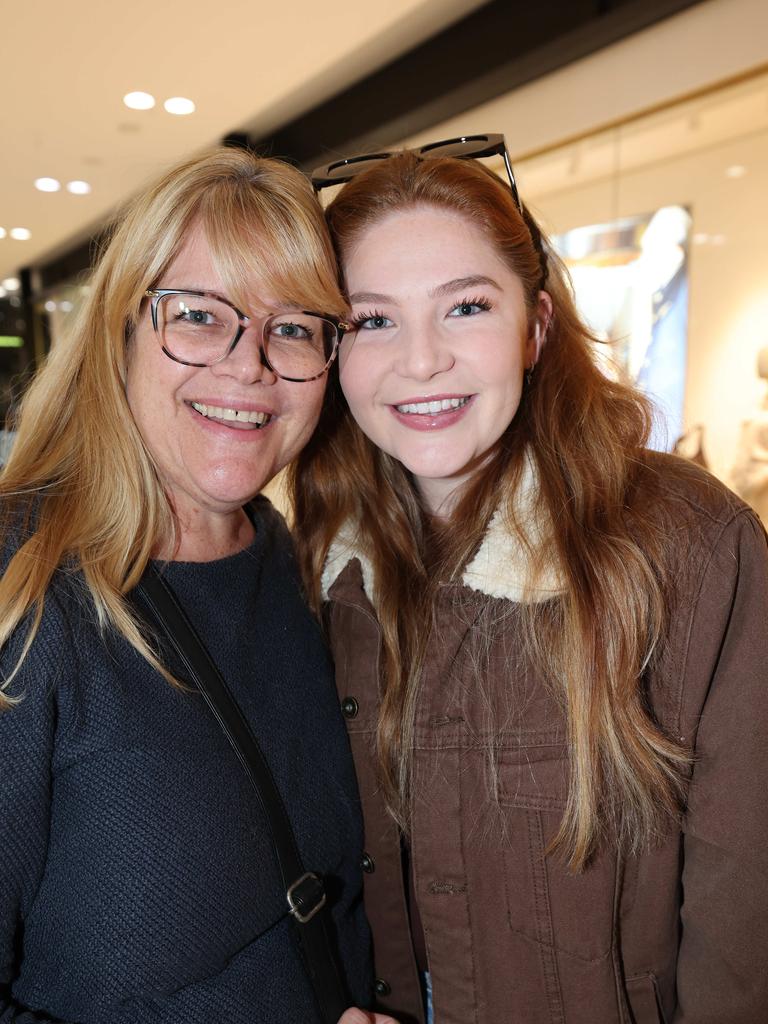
column 137, row 876
column 551, row 643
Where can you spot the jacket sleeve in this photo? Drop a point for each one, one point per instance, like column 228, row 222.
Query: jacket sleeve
column 27, row 733
column 722, row 973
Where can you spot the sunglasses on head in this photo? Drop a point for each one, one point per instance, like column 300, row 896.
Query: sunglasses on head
column 466, row 147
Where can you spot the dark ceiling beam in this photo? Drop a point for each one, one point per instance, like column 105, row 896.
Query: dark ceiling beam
column 499, row 47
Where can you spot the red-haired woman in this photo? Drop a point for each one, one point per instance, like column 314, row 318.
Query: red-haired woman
column 551, row 642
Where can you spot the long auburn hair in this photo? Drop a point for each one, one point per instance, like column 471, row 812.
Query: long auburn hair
column 81, row 488
column 585, row 435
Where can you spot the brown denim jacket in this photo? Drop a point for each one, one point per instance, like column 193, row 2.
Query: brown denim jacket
column 678, row 934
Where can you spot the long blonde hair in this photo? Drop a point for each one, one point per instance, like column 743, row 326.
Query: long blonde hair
column 80, row 486
column 586, row 437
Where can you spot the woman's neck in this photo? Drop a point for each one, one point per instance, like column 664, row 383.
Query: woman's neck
column 205, row 537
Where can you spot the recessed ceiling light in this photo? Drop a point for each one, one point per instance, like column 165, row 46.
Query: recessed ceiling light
column 3, row 232
column 717, row 239
column 179, row 105
column 78, row 188
column 47, row 184
column 21, row 234
column 700, row 238
column 139, row 100
column 735, row 171
column 11, row 284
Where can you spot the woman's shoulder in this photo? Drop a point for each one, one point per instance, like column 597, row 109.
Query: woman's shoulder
column 711, row 534
column 684, row 493
column 65, row 609
column 17, row 525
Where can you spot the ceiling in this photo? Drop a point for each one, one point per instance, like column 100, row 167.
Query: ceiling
column 66, row 67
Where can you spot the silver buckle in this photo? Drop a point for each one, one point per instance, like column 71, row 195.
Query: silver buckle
column 315, row 898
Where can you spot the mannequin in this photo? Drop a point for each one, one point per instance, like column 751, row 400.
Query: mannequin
column 749, row 477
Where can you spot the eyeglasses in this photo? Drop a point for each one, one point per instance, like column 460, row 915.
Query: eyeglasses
column 202, row 329
column 466, row 147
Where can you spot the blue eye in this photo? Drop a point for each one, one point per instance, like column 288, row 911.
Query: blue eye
column 371, row 322
column 292, row 331
column 195, row 317
column 464, row 309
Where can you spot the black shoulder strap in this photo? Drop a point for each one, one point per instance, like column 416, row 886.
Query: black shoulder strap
column 304, row 890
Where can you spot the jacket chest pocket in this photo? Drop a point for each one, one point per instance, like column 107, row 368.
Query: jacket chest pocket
column 546, row 902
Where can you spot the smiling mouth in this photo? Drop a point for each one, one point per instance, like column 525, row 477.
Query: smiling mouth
column 432, row 408
column 241, row 417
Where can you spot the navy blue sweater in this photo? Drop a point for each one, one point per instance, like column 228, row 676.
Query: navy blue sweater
column 137, row 878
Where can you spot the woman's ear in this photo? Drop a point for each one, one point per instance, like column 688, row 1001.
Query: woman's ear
column 538, row 335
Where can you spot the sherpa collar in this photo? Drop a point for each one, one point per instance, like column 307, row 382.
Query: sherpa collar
column 499, row 569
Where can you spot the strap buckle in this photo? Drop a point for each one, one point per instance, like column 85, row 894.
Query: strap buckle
column 306, row 896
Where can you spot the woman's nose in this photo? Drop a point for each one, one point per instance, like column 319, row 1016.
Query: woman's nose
column 245, row 363
column 422, row 353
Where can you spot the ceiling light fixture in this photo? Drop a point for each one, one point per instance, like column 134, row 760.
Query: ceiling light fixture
column 139, row 100
column 11, row 284
column 78, row 188
column 179, row 105
column 47, row 184
column 21, row 234
column 735, row 171
column 3, row 232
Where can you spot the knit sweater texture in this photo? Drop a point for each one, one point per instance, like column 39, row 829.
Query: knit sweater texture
column 138, row 881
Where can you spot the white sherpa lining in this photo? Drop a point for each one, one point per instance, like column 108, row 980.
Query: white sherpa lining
column 499, row 569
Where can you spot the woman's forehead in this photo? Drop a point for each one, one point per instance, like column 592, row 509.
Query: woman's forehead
column 427, row 245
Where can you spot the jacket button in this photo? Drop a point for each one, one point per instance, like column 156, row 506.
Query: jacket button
column 367, row 864
column 381, row 988
column 349, row 707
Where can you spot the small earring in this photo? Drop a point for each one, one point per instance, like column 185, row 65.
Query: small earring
column 529, row 375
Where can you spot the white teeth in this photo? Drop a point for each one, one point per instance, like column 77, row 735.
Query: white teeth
column 216, row 412
column 430, row 408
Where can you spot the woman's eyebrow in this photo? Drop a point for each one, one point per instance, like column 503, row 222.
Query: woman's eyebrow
column 371, row 297
column 458, row 283
column 440, row 291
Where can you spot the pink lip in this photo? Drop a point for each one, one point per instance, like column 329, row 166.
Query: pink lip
column 431, row 421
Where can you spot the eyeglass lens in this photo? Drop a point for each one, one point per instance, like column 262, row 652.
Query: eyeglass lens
column 470, row 146
column 342, row 170
column 200, row 329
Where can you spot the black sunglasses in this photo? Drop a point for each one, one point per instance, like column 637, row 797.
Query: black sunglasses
column 466, row 147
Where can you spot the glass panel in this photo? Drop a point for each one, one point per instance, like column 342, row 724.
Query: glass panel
column 299, row 345
column 196, row 328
